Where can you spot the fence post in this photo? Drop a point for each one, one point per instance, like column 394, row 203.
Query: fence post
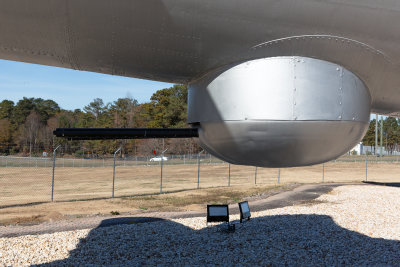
column 115, row 153
column 162, row 163
column 323, row 172
column 255, row 177
column 198, row 169
column 54, row 166
column 366, row 167
column 229, row 176
column 279, row 175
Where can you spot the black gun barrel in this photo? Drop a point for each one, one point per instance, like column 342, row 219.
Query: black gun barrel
column 124, row 133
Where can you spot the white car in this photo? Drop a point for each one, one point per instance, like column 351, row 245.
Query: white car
column 159, row 158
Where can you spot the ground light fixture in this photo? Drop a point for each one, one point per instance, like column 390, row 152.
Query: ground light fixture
column 220, row 213
column 217, row 213
column 244, row 211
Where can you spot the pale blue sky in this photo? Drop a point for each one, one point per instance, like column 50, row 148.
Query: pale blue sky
column 69, row 88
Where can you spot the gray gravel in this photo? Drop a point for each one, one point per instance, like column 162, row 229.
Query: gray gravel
column 352, row 225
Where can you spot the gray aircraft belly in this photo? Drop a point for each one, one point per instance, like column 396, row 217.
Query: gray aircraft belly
column 182, row 40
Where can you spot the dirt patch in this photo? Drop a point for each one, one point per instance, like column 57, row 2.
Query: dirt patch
column 32, row 220
column 195, row 207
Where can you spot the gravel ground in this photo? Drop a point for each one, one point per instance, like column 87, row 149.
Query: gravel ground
column 352, row 225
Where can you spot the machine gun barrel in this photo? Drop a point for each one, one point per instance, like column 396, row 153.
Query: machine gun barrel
column 124, row 133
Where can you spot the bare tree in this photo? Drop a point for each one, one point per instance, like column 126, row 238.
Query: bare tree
column 32, row 128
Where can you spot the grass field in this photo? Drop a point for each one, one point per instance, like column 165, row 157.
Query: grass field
column 22, row 185
column 27, row 185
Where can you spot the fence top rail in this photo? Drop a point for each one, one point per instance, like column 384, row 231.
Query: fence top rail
column 35, row 158
column 187, row 158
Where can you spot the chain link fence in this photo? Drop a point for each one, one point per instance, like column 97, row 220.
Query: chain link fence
column 25, row 180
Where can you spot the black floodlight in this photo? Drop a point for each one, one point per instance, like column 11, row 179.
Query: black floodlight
column 244, row 211
column 217, row 213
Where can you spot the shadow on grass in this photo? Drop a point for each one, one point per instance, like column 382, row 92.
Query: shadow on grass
column 275, row 240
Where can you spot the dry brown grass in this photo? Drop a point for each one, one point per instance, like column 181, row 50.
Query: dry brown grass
column 135, row 186
column 190, row 200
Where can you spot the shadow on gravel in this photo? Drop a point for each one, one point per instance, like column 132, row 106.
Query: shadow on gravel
column 275, row 240
column 383, row 184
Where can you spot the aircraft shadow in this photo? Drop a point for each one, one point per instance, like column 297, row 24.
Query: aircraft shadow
column 270, row 240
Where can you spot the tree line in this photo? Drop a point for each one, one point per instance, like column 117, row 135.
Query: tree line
column 26, row 127
column 390, row 133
